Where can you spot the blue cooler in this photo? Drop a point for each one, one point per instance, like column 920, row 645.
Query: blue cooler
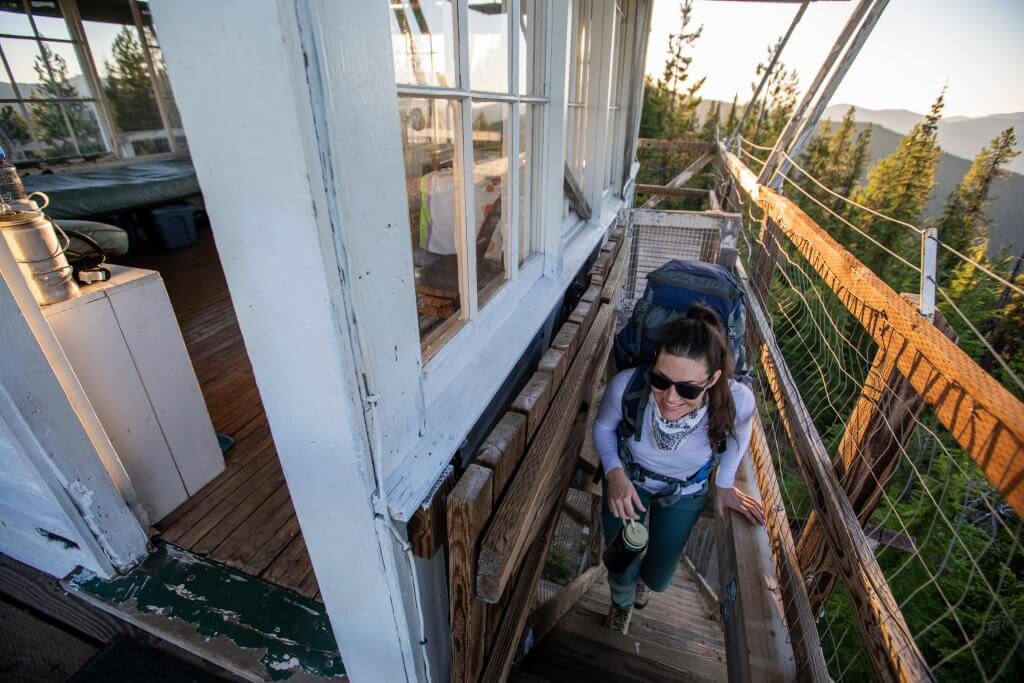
column 174, row 225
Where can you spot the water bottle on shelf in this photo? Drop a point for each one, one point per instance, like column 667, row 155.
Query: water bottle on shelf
column 33, row 239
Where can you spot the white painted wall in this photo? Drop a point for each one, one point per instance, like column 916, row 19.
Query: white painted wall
column 62, row 488
column 292, row 118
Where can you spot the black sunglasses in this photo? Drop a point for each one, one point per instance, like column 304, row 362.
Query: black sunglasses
column 687, row 390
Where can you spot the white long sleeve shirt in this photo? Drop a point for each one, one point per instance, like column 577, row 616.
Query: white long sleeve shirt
column 689, row 456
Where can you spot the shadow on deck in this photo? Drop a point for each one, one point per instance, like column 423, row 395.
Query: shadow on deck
column 676, row 638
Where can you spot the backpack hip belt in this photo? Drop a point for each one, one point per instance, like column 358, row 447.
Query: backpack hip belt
column 637, row 473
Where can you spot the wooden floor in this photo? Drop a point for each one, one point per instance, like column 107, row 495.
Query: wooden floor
column 243, row 518
column 675, row 638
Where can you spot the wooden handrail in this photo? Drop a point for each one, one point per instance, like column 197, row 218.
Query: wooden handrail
column 981, row 414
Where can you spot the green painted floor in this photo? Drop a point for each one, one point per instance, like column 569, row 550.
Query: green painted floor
column 235, row 620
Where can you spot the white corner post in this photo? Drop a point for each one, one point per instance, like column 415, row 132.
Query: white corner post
column 64, row 495
column 552, row 161
column 291, row 114
column 929, row 271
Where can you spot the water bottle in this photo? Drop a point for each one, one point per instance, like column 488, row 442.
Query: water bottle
column 628, row 544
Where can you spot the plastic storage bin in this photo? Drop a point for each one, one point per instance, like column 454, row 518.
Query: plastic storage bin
column 174, row 226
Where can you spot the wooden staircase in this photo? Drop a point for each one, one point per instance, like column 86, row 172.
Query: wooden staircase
column 676, row 638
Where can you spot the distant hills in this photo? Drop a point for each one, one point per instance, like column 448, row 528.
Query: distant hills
column 960, row 138
column 959, row 135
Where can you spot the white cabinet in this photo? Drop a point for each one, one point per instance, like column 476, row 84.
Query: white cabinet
column 123, row 341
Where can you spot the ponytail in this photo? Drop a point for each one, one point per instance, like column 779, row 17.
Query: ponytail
column 700, row 336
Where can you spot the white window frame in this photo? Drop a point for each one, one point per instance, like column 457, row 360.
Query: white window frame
column 455, row 334
column 80, row 42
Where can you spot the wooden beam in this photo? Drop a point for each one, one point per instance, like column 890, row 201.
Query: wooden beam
column 544, row 618
column 882, row 421
column 674, row 145
column 668, row 191
column 800, row 621
column 503, row 449
column 810, row 124
column 533, row 401
column 682, row 178
column 427, row 528
column 514, row 525
column 555, row 362
column 568, row 339
column 574, row 192
column 787, row 134
column 981, row 414
column 469, row 506
column 885, row 633
column 617, row 274
column 756, row 640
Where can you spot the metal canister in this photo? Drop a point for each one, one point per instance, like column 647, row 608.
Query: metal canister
column 35, row 244
column 628, row 544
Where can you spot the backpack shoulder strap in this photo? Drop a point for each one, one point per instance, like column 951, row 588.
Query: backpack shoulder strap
column 634, row 403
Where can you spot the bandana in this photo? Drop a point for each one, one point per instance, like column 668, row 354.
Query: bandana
column 669, row 434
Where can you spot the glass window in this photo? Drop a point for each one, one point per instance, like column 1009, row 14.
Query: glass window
column 465, row 196
column 428, row 145
column 423, row 42
column 579, row 92
column 616, row 123
column 490, row 193
column 532, row 39
column 529, row 226
column 488, row 46
column 48, row 81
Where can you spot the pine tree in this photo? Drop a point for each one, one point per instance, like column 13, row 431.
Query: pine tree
column 898, row 186
column 128, row 86
column 711, row 122
column 13, row 126
column 964, row 224
column 48, row 119
column 652, row 116
column 681, row 105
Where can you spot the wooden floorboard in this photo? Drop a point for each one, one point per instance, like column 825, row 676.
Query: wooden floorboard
column 244, row 517
column 674, row 639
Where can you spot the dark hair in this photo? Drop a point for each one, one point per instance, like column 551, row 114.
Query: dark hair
column 699, row 336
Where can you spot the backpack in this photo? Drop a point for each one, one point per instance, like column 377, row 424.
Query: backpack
column 670, row 292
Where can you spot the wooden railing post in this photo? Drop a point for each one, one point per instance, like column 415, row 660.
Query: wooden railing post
column 881, row 423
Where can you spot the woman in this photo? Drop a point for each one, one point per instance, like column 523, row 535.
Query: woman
column 658, row 454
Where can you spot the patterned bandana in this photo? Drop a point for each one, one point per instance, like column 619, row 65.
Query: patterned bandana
column 668, row 435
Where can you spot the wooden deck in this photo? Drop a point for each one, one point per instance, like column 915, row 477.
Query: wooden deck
column 243, row 518
column 675, row 638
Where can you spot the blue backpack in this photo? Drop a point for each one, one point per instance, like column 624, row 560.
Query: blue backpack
column 670, row 292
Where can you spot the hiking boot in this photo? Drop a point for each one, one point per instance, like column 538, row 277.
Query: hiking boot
column 643, row 595
column 618, row 619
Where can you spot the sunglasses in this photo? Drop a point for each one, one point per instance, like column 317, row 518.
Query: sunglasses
column 687, row 390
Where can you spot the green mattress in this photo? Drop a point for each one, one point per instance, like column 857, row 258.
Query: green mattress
column 106, row 189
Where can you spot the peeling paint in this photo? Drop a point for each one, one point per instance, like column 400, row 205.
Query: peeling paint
column 280, row 632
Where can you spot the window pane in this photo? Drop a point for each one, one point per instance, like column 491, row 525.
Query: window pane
column 69, row 81
column 15, row 22
column 488, row 46
column 428, row 145
column 423, row 42
column 163, row 83
column 27, row 67
column 54, row 139
column 527, row 220
column 49, row 19
column 531, row 47
column 124, row 74
column 490, row 192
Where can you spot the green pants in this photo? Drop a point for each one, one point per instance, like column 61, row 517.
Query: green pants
column 672, row 519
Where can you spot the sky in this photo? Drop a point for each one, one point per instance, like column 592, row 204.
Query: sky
column 974, row 47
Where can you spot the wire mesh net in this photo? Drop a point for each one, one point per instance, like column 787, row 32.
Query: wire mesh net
column 948, row 545
column 660, row 236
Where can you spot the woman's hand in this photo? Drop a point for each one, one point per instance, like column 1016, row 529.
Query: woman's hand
column 623, row 500
column 734, row 499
